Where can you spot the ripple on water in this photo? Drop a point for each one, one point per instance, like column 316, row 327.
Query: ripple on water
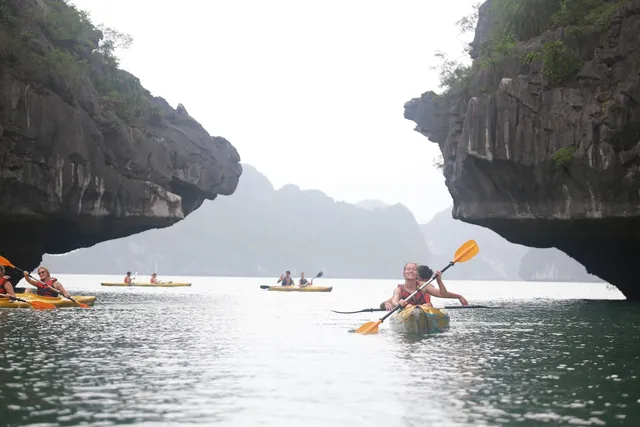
column 287, row 360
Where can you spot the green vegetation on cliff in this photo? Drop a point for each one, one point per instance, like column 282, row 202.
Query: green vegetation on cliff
column 520, row 20
column 514, row 21
column 56, row 45
column 563, row 156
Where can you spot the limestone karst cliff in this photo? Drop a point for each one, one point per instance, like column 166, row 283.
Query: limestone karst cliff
column 86, row 153
column 541, row 135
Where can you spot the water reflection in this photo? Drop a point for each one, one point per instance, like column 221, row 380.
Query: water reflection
column 569, row 362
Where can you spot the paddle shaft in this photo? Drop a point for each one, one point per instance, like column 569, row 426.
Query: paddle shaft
column 446, row 307
column 14, row 298
column 424, row 285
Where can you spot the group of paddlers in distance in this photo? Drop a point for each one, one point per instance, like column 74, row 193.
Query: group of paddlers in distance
column 287, row 280
column 128, row 279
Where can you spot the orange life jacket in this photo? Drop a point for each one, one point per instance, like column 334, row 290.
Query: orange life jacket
column 422, row 297
column 3, row 280
column 44, row 291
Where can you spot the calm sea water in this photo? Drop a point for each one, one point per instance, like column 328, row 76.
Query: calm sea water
column 226, row 352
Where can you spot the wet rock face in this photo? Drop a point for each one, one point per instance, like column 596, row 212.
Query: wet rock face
column 73, row 173
column 502, row 151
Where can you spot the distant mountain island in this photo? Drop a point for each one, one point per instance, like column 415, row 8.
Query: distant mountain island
column 372, row 204
column 260, row 231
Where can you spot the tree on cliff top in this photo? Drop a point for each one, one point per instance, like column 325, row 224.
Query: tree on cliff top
column 57, row 45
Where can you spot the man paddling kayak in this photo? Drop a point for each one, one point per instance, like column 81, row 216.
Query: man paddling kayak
column 414, row 276
column 45, row 281
column 303, row 281
column 286, row 280
column 6, row 288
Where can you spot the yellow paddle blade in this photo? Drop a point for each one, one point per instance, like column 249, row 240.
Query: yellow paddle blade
column 369, row 328
column 466, row 251
column 6, row 262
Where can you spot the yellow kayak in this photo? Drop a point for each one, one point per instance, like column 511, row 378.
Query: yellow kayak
column 57, row 301
column 420, row 319
column 149, row 285
column 298, row 288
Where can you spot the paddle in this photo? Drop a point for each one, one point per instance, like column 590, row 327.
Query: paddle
column 7, row 263
column 38, row 305
column 464, row 253
column 447, row 307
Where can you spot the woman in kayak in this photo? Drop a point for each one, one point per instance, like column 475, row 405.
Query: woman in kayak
column 6, row 288
column 127, row 278
column 43, row 284
column 413, row 280
column 154, row 278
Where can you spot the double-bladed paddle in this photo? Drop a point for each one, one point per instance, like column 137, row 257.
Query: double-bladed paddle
column 447, row 307
column 7, row 263
column 464, row 253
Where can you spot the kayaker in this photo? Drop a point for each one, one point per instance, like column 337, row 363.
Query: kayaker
column 425, row 273
column 127, row 278
column 286, row 280
column 412, row 281
column 154, row 278
column 303, row 281
column 6, row 288
column 45, row 280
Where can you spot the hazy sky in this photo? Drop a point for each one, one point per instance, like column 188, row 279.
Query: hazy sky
column 309, row 92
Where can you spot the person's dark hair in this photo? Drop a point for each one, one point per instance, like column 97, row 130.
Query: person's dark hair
column 425, row 272
column 288, row 272
column 128, row 273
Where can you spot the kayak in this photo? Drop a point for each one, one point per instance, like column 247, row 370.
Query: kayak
column 298, row 288
column 57, row 301
column 420, row 319
column 149, row 285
